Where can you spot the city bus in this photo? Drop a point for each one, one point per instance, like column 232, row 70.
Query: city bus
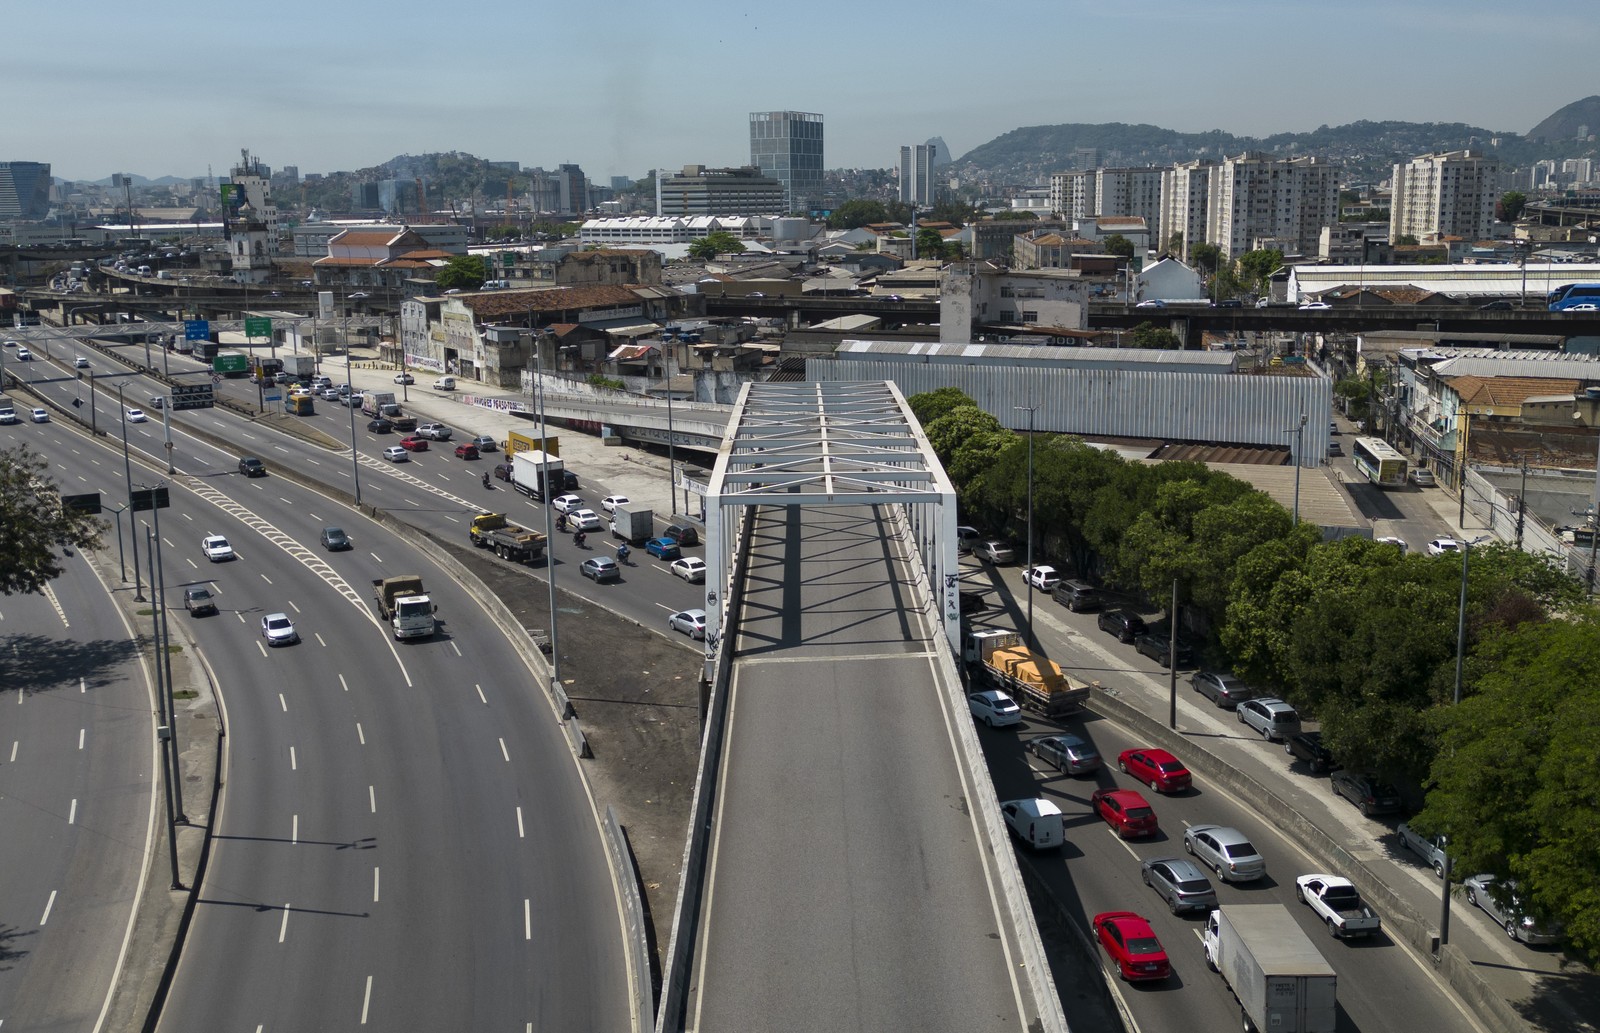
column 1379, row 463
column 1570, row 294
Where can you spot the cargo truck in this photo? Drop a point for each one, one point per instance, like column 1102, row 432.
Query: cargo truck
column 507, row 540
column 633, row 524
column 1035, row 682
column 528, row 472
column 405, row 606
column 300, row 367
column 1283, row 984
column 372, row 402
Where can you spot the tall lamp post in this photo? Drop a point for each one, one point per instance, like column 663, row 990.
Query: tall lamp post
column 1461, row 650
column 1030, row 410
column 1299, row 438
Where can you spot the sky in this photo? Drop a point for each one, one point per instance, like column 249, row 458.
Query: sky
column 173, row 87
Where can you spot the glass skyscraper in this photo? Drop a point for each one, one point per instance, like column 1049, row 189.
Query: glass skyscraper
column 787, row 145
column 25, row 187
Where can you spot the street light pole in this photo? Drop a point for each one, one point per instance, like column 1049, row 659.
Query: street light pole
column 1299, row 447
column 1030, row 409
column 127, row 470
column 549, row 532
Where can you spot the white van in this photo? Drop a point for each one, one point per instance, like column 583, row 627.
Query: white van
column 445, row 384
column 1037, row 823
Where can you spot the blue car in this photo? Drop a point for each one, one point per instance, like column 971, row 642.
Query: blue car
column 663, row 548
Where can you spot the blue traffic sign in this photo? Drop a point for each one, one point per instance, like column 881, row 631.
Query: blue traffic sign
column 278, row 397
column 196, row 329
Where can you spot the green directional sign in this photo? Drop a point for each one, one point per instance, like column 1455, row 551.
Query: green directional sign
column 257, row 326
column 230, row 363
column 508, row 258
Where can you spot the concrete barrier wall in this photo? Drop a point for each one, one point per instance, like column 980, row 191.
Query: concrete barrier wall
column 1399, row 918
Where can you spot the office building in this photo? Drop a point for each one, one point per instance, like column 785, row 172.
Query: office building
column 24, row 189
column 1451, row 194
column 698, row 190
column 916, row 174
column 787, row 145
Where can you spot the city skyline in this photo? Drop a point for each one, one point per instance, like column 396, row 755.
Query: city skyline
column 342, row 87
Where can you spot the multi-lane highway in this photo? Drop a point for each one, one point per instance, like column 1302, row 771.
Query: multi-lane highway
column 77, row 761
column 404, row 837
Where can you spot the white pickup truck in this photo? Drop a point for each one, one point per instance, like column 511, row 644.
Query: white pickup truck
column 1337, row 903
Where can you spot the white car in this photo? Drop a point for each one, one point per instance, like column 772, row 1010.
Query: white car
column 691, row 568
column 1315, row 306
column 690, row 622
column 396, row 454
column 404, row 378
column 41, row 416
column 80, row 363
column 9, row 416
column 1043, row 576
column 1422, row 477
column 216, row 548
column 278, row 630
column 1399, row 543
column 566, row 503
column 1443, row 546
column 137, row 416
column 24, row 354
column 994, row 708
column 585, row 520
column 610, row 503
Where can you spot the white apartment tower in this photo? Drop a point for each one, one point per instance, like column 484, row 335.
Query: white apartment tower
column 1184, row 189
column 255, row 180
column 916, row 174
column 1451, row 194
column 1086, row 193
column 1256, row 197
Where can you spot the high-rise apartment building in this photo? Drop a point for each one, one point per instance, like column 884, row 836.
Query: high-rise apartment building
column 916, row 174
column 24, row 189
column 1086, row 193
column 1184, row 190
column 574, row 189
column 254, row 181
column 1450, row 194
column 698, row 190
column 787, row 145
column 1255, row 199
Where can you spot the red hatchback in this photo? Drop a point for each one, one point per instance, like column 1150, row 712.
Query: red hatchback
column 414, row 444
column 467, row 451
column 1124, row 810
column 1158, row 769
column 1132, row 944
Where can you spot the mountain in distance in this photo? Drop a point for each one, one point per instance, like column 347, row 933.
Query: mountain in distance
column 1369, row 149
column 1579, row 116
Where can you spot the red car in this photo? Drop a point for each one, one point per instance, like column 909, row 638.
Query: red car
column 1124, row 810
column 466, row 450
column 414, row 444
column 1158, row 769
column 1132, row 944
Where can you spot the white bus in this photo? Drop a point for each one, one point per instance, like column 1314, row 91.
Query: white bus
column 1379, row 463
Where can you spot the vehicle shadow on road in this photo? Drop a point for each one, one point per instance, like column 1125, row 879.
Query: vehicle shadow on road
column 39, row 663
column 9, row 953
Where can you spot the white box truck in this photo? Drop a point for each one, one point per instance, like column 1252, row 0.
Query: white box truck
column 1282, row 982
column 528, row 472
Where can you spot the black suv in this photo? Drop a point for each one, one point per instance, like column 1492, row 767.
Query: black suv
column 250, row 466
column 1307, row 746
column 1125, row 624
column 1157, row 647
column 1367, row 793
column 1078, row 596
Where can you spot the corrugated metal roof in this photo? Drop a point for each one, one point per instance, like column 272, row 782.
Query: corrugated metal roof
column 1460, row 278
column 1034, row 355
column 1521, row 364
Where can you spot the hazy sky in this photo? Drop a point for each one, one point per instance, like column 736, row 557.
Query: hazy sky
column 168, row 87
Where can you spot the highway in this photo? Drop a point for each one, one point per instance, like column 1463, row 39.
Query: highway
column 1383, row 984
column 825, row 907
column 77, row 761
column 404, row 837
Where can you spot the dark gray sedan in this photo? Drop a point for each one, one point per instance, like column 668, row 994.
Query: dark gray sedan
column 1224, row 690
column 1180, row 882
column 1065, row 753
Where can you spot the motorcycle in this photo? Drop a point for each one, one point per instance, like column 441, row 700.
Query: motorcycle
column 623, row 552
column 486, row 483
column 579, row 538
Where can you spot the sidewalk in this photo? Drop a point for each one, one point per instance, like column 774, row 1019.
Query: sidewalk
column 602, row 469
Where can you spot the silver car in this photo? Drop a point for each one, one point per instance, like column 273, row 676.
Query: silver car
column 993, row 551
column 278, row 630
column 1224, row 690
column 1429, row 848
column 1482, row 889
column 1272, row 717
column 1227, row 851
column 1066, row 753
column 1180, row 882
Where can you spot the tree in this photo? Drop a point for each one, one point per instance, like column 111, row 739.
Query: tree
column 1405, row 240
column 857, row 213
column 930, row 244
column 36, row 529
column 1512, row 202
column 1148, row 335
column 1015, row 215
column 1256, row 267
column 463, row 272
column 931, row 405
column 1118, row 245
column 713, row 244
column 1205, row 257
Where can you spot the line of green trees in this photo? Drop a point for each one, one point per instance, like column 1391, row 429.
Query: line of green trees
column 1351, row 632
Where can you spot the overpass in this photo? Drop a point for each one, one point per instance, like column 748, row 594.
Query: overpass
column 847, row 869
